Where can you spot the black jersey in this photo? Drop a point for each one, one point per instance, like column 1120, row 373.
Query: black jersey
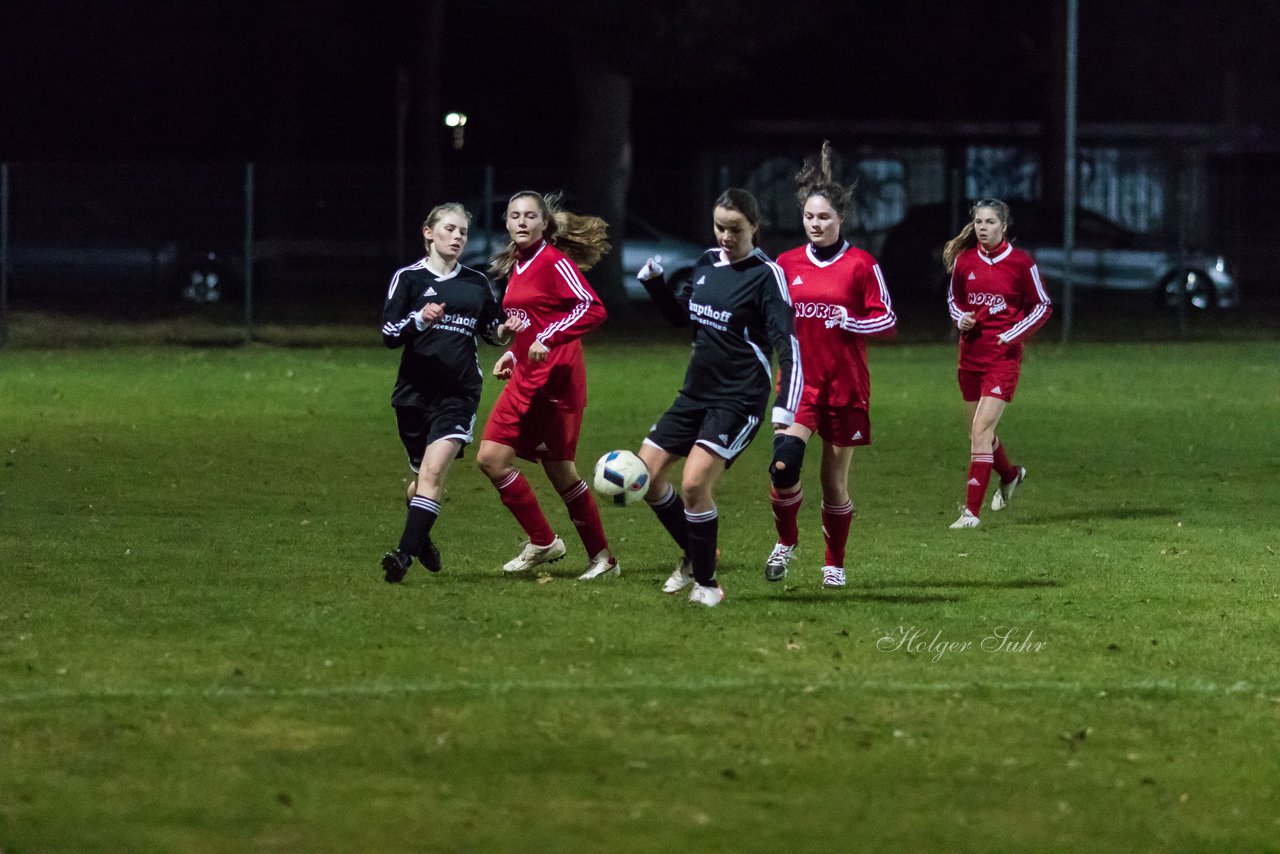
column 742, row 315
column 440, row 360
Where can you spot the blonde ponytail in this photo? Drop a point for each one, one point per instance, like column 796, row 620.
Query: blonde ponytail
column 585, row 239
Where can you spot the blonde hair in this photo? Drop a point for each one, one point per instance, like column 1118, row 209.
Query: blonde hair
column 585, row 239
column 966, row 239
column 818, row 179
column 437, row 213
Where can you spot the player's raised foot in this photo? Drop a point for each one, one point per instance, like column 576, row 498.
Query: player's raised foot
column 775, row 566
column 832, row 576
column 531, row 556
column 602, row 564
column 681, row 578
column 1004, row 492
column 966, row 520
column 394, row 566
column 430, row 557
column 709, row 595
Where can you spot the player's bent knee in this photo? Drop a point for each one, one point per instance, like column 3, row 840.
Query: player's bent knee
column 788, row 457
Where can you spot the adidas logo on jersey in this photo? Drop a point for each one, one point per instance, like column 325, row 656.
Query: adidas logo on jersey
column 798, row 281
column 724, row 438
column 430, row 292
column 856, row 436
column 701, row 280
column 972, row 277
column 996, row 390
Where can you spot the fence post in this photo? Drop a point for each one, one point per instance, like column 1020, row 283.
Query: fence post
column 248, row 253
column 4, row 254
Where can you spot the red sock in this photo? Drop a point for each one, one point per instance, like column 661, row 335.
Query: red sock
column 1003, row 468
column 518, row 497
column 785, row 510
column 979, row 478
column 585, row 516
column 835, row 531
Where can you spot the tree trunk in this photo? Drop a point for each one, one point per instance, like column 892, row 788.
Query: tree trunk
column 602, row 172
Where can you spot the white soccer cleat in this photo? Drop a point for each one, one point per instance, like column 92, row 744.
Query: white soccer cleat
column 681, row 578
column 709, row 596
column 602, row 564
column 775, row 566
column 532, row 556
column 832, row 576
column 1004, row 492
column 966, row 520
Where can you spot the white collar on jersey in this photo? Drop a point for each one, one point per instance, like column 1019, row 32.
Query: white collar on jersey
column 993, row 261
column 808, row 250
column 724, row 257
column 520, row 268
column 440, row 277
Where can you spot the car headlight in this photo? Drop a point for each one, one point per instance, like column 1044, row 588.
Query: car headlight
column 1220, row 264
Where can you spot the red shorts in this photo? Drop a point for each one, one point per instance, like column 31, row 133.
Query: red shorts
column 997, row 382
column 540, row 431
column 842, row 426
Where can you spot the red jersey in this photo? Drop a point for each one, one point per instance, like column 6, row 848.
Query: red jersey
column 836, row 302
column 1004, row 291
column 549, row 292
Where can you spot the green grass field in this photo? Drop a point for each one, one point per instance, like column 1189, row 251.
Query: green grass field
column 198, row 653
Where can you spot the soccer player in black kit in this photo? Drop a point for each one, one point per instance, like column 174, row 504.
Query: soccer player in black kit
column 739, row 303
column 435, row 310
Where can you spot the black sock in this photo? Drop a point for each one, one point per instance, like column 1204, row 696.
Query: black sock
column 422, row 515
column 702, row 545
column 670, row 512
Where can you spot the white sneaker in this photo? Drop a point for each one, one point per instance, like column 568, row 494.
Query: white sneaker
column 533, row 555
column 681, row 578
column 775, row 566
column 709, row 596
column 602, row 564
column 1004, row 492
column 832, row 576
column 966, row 520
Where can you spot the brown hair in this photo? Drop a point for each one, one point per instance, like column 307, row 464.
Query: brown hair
column 818, row 179
column 738, row 199
column 439, row 211
column 966, row 239
column 585, row 239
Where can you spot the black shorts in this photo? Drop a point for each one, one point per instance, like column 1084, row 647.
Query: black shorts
column 449, row 418
column 724, row 432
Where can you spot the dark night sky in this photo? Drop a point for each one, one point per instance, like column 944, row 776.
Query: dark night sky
column 231, row 80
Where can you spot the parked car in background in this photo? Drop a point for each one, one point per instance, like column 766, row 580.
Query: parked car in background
column 1106, row 257
column 95, row 251
column 641, row 242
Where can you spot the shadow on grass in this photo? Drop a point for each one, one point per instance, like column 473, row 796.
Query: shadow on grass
column 1008, row 583
column 1089, row 514
column 838, row 596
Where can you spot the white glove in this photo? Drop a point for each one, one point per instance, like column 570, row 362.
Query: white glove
column 837, row 317
column 651, row 269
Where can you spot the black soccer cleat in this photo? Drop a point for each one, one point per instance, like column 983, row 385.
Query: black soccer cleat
column 430, row 557
column 394, row 566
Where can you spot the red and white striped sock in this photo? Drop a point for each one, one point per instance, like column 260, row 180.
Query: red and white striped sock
column 786, row 507
column 1000, row 460
column 517, row 495
column 835, row 530
column 585, row 516
column 979, row 478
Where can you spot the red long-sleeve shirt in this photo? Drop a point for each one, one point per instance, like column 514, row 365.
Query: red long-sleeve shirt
column 835, row 358
column 549, row 292
column 1009, row 302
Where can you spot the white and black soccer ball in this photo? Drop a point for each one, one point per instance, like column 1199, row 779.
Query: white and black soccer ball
column 622, row 477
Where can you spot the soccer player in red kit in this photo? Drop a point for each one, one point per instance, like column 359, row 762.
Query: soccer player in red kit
column 539, row 413
column 839, row 297
column 997, row 301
